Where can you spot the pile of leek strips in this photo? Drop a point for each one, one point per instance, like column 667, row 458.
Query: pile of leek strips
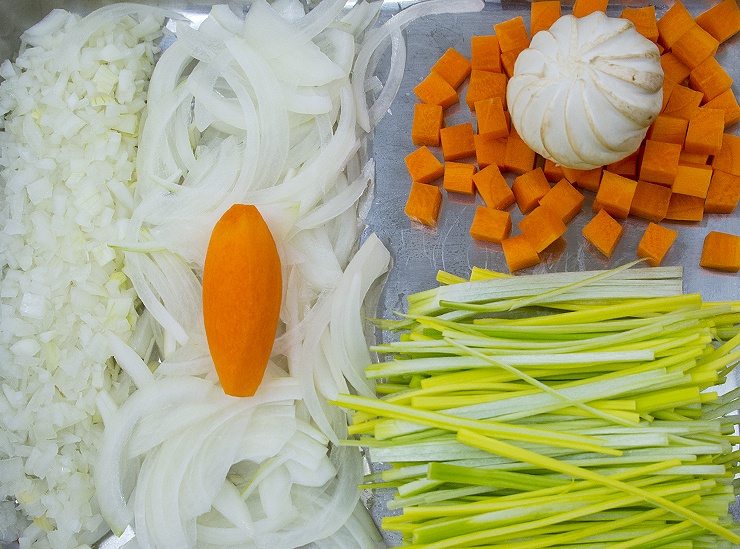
column 557, row 410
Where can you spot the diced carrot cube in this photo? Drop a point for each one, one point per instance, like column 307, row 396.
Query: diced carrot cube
column 519, row 157
column 519, row 253
column 493, row 188
column 512, row 34
column 490, row 151
column 508, row 60
column 484, row 85
column 604, row 232
column 674, row 23
column 683, row 101
column 721, row 21
column 728, row 158
column 423, row 204
column 553, row 172
column 428, row 120
column 655, row 243
column 453, row 66
column 692, row 179
column 723, row 194
column 542, row 226
column 704, row 134
column 683, row 207
column 710, row 78
column 564, row 199
column 457, row 141
column 491, row 118
column 423, row 166
column 660, row 162
column 490, row 225
column 668, row 129
column 529, row 188
column 721, row 251
column 644, row 21
column 581, row 8
column 615, row 194
column 674, row 70
column 585, row 179
column 727, row 102
column 694, row 46
column 650, row 201
column 485, row 53
column 627, row 167
column 543, row 14
column 436, row 90
column 458, row 177
column 693, row 158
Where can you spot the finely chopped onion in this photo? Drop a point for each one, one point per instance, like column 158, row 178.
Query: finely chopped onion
column 112, row 413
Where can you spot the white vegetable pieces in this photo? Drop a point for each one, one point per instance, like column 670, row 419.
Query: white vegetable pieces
column 584, row 93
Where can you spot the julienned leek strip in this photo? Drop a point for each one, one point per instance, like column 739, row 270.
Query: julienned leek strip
column 512, row 452
column 452, row 423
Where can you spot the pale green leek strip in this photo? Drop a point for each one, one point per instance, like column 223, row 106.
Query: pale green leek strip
column 507, row 450
column 657, row 535
column 451, row 423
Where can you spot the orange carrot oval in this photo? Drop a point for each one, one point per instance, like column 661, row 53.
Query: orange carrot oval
column 242, row 291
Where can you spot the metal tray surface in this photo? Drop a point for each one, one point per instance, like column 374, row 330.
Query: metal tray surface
column 418, row 254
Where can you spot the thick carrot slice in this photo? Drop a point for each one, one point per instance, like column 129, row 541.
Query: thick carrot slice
column 423, row 204
column 428, row 120
column 485, row 53
column 721, row 251
column 457, row 141
column 490, row 151
column 436, row 90
column 660, row 162
column 458, row 177
column 650, row 201
column 492, row 121
column 484, row 85
column 542, row 226
column 683, row 207
column 581, row 8
column 490, row 225
column 704, row 134
column 423, row 166
column 242, row 291
column 694, row 46
column 728, row 159
column 692, row 179
column 644, row 21
column 674, row 23
column 543, row 14
column 727, row 102
column 565, row 199
column 615, row 194
column 710, row 78
column 453, row 66
column 723, row 194
column 529, row 188
column 721, row 21
column 519, row 253
column 655, row 243
column 493, row 188
column 604, row 232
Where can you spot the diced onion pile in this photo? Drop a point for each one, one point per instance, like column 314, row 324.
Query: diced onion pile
column 101, row 311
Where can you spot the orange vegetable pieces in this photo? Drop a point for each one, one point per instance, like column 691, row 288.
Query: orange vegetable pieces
column 727, row 102
column 543, row 14
column 668, row 129
column 721, row 21
column 683, row 101
column 581, row 8
column 674, row 23
column 428, row 120
column 490, row 151
column 694, row 46
column 242, row 293
column 458, row 177
column 644, row 20
column 485, row 53
column 660, row 162
column 604, row 232
column 674, row 70
column 694, row 158
column 519, row 158
column 586, row 179
column 529, row 188
column 650, row 201
column 423, row 204
column 491, row 118
column 564, row 199
column 508, row 60
column 710, row 78
column 519, row 253
column 655, row 243
column 684, row 207
column 436, row 90
column 553, row 172
column 423, row 166
column 542, row 226
column 627, row 167
column 512, row 35
column 721, row 251
column 493, row 188
column 704, row 134
column 615, row 194
column 728, row 159
column 723, row 194
column 453, row 66
column 484, row 85
column 490, row 225
column 692, row 179
column 457, row 141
